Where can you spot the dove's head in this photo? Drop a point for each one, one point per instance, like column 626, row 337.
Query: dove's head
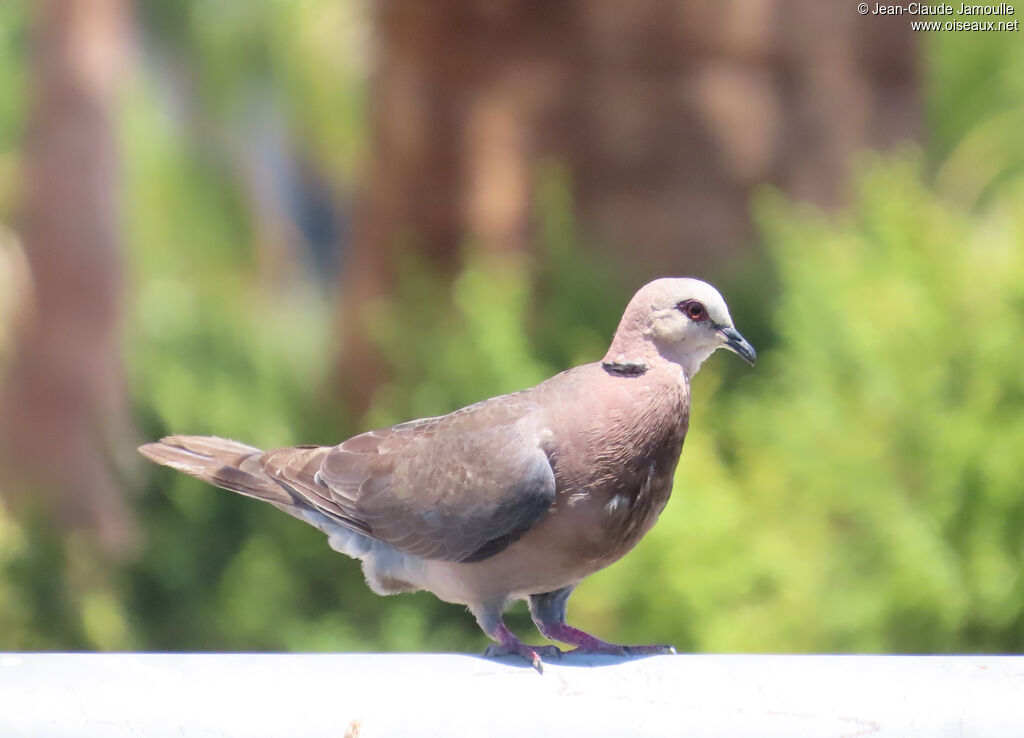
column 681, row 320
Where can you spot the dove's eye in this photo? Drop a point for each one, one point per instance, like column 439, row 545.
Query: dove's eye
column 694, row 310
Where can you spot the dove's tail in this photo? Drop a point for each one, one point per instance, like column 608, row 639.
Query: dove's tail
column 242, row 469
column 227, row 464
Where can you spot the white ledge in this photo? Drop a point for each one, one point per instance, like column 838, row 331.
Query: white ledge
column 383, row 695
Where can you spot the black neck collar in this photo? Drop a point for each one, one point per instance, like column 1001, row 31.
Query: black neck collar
column 626, row 368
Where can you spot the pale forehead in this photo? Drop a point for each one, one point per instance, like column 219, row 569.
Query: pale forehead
column 669, row 291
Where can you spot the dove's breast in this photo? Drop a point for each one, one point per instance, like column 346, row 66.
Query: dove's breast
column 615, row 475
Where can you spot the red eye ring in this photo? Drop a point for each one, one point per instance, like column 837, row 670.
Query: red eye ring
column 693, row 309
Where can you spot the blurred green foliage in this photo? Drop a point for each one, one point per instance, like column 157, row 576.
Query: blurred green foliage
column 13, row 71
column 862, row 489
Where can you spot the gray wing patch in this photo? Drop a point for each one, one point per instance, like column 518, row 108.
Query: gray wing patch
column 441, row 488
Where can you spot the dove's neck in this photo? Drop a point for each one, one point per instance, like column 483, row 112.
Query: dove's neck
column 631, row 351
column 634, row 352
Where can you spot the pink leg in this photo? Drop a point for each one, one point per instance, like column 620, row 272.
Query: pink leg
column 548, row 611
column 506, row 643
column 586, row 643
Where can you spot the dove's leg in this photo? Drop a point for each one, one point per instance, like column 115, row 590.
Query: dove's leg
column 548, row 611
column 505, row 641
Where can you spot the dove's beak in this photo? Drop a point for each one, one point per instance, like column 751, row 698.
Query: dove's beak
column 738, row 344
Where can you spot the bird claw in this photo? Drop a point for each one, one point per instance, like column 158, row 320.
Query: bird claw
column 531, row 654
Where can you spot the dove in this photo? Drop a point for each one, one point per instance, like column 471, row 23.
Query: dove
column 518, row 497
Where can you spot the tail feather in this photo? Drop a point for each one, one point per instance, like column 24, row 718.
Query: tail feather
column 224, row 463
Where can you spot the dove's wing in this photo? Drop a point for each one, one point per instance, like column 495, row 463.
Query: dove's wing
column 460, row 487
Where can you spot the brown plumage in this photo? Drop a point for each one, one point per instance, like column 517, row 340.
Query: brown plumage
column 519, row 496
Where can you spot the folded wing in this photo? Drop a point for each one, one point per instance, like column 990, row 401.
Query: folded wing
column 460, row 487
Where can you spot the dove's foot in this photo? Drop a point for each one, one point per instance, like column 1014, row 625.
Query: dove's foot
column 588, row 644
column 509, row 645
column 532, row 654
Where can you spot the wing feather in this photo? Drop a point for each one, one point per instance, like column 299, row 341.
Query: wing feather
column 459, row 487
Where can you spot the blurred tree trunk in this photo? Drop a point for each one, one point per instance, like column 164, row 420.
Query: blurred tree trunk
column 667, row 114
column 63, row 408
